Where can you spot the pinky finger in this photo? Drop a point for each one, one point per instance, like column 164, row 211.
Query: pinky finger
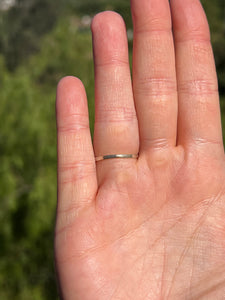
column 77, row 183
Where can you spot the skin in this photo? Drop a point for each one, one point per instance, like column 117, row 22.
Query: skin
column 153, row 227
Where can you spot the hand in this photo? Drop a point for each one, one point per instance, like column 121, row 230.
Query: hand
column 153, row 227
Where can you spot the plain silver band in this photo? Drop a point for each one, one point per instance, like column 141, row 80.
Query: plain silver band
column 98, row 158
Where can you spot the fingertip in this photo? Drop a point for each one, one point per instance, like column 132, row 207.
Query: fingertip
column 106, row 20
column 109, row 38
column 151, row 14
column 189, row 20
column 68, row 84
column 70, row 90
column 71, row 105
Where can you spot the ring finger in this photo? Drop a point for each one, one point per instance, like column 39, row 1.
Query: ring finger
column 116, row 126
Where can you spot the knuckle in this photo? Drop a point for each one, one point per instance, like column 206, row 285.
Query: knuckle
column 112, row 60
column 153, row 86
column 73, row 123
column 198, row 87
column 153, row 25
column 76, row 171
column 116, row 115
column 195, row 33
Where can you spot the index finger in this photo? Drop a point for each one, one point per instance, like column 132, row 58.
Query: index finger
column 199, row 121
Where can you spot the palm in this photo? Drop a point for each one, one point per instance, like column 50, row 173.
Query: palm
column 151, row 228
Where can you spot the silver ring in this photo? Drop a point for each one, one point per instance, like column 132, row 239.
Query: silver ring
column 98, row 158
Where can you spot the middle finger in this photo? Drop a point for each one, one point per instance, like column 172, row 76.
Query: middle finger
column 154, row 74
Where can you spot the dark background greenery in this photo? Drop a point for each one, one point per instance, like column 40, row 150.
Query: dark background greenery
column 40, row 42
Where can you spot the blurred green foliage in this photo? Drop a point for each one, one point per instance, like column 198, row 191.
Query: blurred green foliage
column 40, row 42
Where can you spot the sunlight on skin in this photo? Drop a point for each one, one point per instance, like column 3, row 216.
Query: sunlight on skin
column 153, row 227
